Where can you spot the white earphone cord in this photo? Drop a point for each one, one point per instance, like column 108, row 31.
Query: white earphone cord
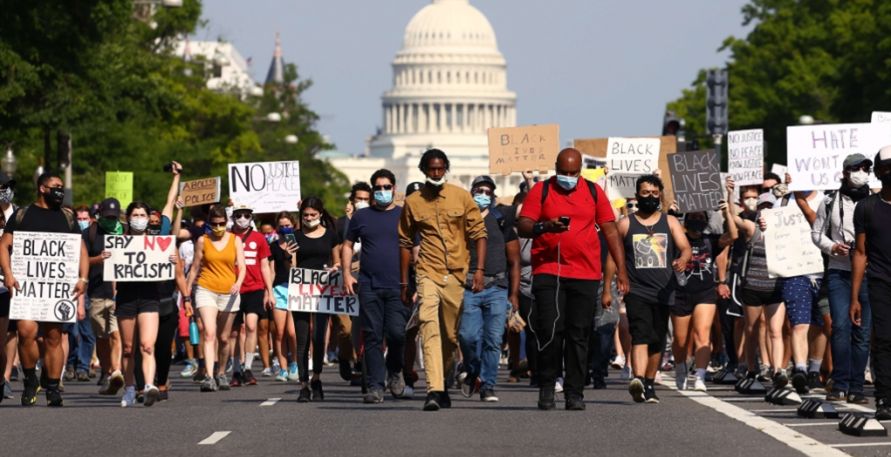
column 556, row 304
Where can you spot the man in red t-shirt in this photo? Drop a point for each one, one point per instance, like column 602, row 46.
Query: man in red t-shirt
column 256, row 291
column 562, row 215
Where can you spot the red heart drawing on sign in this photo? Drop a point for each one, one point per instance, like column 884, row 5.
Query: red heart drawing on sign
column 164, row 242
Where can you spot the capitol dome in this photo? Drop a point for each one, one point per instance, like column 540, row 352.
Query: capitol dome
column 450, row 24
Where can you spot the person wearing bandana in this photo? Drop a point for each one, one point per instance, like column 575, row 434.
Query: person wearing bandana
column 47, row 215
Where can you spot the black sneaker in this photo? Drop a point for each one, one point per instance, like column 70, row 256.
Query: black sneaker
column 346, row 371
column 883, row 410
column 53, row 397
column 780, row 379
column 445, row 401
column 29, row 394
column 800, row 382
column 248, row 378
column 650, row 394
column 575, row 403
column 304, row 395
column 317, row 393
column 598, row 382
column 487, row 394
column 374, row 396
column 546, row 399
column 857, row 399
column 813, row 380
column 637, row 390
column 432, row 402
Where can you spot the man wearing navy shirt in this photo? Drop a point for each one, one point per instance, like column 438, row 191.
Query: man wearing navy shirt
column 380, row 307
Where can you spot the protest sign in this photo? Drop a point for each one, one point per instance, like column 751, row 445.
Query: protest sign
column 317, row 291
column 879, row 117
column 139, row 258
column 787, row 243
column 632, row 156
column 532, row 147
column 735, row 188
column 746, row 156
column 779, row 170
column 696, row 178
column 267, row 187
column 816, row 152
column 119, row 185
column 200, row 191
column 47, row 268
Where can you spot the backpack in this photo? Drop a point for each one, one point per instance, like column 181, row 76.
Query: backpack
column 68, row 212
column 591, row 187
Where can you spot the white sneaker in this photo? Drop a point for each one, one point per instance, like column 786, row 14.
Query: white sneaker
column 558, row 386
column 626, row 374
column 266, row 373
column 680, row 376
column 152, row 395
column 618, row 363
column 699, row 385
column 129, row 398
column 408, row 392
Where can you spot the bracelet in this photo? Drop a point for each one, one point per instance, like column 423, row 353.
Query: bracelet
column 187, row 299
column 84, row 280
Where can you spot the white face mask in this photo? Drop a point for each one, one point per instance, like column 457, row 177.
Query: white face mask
column 138, row 223
column 243, row 223
column 436, row 182
column 858, row 179
column 312, row 223
column 751, row 204
column 361, row 204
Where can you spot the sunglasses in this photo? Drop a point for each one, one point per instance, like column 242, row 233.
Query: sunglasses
column 632, row 205
column 383, row 187
column 242, row 216
column 218, row 224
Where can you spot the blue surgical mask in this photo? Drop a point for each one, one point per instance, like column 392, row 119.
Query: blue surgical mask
column 567, row 182
column 383, row 197
column 482, row 200
column 83, row 225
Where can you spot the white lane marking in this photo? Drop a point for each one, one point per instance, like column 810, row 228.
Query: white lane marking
column 743, row 399
column 781, row 433
column 812, row 424
column 774, row 410
column 270, row 402
column 214, row 438
column 884, row 443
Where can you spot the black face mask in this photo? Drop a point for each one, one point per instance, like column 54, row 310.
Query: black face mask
column 647, row 205
column 153, row 230
column 54, row 197
column 696, row 225
column 886, row 180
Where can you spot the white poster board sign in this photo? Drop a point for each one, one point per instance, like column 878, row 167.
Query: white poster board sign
column 627, row 159
column 779, row 170
column 317, row 291
column 816, row 152
column 139, row 258
column 47, row 268
column 879, row 117
column 267, row 187
column 787, row 242
column 746, row 156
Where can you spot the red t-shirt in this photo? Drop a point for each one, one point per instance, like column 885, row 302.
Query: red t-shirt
column 580, row 245
column 256, row 249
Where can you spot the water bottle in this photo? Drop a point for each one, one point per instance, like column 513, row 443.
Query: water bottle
column 193, row 332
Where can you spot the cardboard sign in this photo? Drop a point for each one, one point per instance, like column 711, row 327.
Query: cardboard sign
column 879, row 117
column 787, row 241
column 200, row 191
column 47, row 267
column 532, row 147
column 316, row 291
column 119, row 184
column 816, row 152
column 696, row 177
column 746, row 156
column 139, row 258
column 267, row 187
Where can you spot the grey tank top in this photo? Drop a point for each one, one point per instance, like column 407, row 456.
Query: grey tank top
column 757, row 278
column 649, row 252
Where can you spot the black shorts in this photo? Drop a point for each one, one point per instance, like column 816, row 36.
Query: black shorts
column 252, row 303
column 686, row 302
column 751, row 297
column 4, row 304
column 647, row 322
column 136, row 307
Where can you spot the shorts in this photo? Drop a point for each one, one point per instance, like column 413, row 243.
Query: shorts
column 751, row 297
column 252, row 303
column 225, row 303
column 686, row 302
column 136, row 307
column 102, row 317
column 5, row 298
column 801, row 297
column 281, row 297
column 647, row 322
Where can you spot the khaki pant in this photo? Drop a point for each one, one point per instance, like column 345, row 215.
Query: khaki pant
column 439, row 311
column 344, row 338
column 102, row 317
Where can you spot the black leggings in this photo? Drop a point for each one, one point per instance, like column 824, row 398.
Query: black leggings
column 167, row 327
column 301, row 326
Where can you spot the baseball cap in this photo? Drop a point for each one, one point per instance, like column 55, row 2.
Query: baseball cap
column 242, row 207
column 884, row 156
column 483, row 180
column 855, row 159
column 767, row 198
column 6, row 180
column 110, row 207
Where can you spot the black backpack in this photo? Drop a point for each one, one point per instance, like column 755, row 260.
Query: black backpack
column 547, row 185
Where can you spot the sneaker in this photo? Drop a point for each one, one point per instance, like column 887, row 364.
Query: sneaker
column 813, row 380
column 626, row 374
column 266, row 373
column 432, row 402
column 374, row 396
column 304, row 395
column 546, row 399
column 636, row 389
column 650, row 394
column 282, row 376
column 317, row 393
column 190, row 369
column 598, row 382
column 680, row 376
column 834, row 395
column 618, row 363
column 668, row 364
column 445, row 401
column 558, row 386
column 83, row 376
column 29, row 394
column 152, row 395
column 236, row 379
column 199, row 376
column 230, row 365
column 223, row 382
column 164, row 395
column 799, row 382
column 764, row 374
column 7, row 390
column 115, row 384
column 487, row 394
column 408, row 393
column 575, row 404
column 396, row 385
column 53, row 397
column 857, row 399
column 345, row 369
column 780, row 379
column 129, row 398
column 70, row 374
column 468, row 386
column 293, row 372
column 699, row 385
column 208, row 385
column 249, row 379
column 883, row 410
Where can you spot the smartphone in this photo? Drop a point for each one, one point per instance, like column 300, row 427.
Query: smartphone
column 168, row 167
column 564, row 220
column 290, row 239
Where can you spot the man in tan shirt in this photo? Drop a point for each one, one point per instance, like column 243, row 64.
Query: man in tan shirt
column 443, row 218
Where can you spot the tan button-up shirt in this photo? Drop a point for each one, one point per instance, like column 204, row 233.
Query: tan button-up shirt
column 445, row 223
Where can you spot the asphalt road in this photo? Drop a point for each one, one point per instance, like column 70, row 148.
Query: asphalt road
column 250, row 421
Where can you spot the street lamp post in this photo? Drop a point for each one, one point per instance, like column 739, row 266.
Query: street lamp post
column 9, row 162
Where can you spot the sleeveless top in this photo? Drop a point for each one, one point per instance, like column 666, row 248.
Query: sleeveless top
column 218, row 270
column 648, row 257
column 757, row 278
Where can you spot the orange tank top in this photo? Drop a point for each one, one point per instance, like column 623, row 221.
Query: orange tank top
column 218, row 267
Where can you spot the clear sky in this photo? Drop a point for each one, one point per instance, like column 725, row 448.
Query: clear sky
column 596, row 67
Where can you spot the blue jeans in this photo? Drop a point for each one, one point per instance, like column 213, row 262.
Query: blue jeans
column 850, row 344
column 81, row 342
column 483, row 318
column 383, row 316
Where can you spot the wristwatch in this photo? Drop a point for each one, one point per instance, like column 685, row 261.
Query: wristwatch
column 538, row 228
column 721, row 281
column 84, row 280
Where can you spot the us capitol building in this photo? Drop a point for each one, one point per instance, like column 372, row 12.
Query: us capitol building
column 449, row 87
